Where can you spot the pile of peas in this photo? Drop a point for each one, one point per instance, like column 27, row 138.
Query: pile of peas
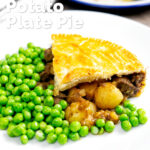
column 27, row 110
column 130, row 116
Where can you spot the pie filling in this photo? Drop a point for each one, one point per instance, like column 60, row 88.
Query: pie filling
column 90, row 101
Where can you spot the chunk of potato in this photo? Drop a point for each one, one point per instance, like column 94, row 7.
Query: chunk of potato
column 90, row 89
column 82, row 112
column 75, row 95
column 108, row 96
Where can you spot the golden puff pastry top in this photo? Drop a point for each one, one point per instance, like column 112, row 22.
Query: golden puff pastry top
column 78, row 59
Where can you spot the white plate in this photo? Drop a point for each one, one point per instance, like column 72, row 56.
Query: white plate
column 131, row 35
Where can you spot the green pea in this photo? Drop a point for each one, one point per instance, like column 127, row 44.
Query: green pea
column 131, row 107
column 16, row 91
column 10, row 118
column 39, row 135
column 65, row 123
column 39, row 117
column 126, row 125
column 3, row 100
column 32, row 83
column 24, row 139
column 30, row 134
column 13, row 67
column 28, row 72
column 42, row 56
column 66, row 131
column 28, row 125
column 49, row 101
column 63, row 104
column 27, row 61
column 18, row 107
column 57, row 122
column 37, row 101
column 143, row 119
column 10, row 130
column 18, row 130
column 31, row 106
column 20, row 76
column 37, row 60
column 36, row 77
column 49, row 129
column 119, row 109
column 62, row 115
column 141, row 111
column 8, row 111
column 84, row 131
column 58, row 106
column 34, row 55
column 51, row 87
column 62, row 139
column 39, row 108
column 33, row 95
column 19, row 71
column 3, row 79
column 10, row 102
column 51, row 138
column 38, row 50
column 25, row 96
column 134, row 121
column 26, row 80
column 4, row 123
column 94, row 130
column 49, row 119
column 123, row 117
column 2, row 92
column 43, row 125
column 126, row 103
column 21, row 50
column 46, row 110
column 74, row 136
column 20, row 60
column 34, row 125
column 17, row 99
column 18, row 118
column 48, row 92
column 40, row 67
column 39, row 90
column 18, row 82
column 11, row 60
column 12, row 79
column 127, row 111
column 7, row 56
column 6, row 70
column 101, row 131
column 100, row 123
column 55, row 113
column 27, row 115
column 58, row 130
column 30, row 45
column 75, row 126
column 109, row 126
column 24, row 88
column 133, row 113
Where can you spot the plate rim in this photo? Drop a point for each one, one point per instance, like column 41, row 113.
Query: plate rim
column 110, row 14
column 110, row 6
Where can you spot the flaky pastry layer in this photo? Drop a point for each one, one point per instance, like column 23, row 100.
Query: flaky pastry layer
column 78, row 59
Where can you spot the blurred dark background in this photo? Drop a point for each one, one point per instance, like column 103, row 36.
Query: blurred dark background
column 138, row 14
